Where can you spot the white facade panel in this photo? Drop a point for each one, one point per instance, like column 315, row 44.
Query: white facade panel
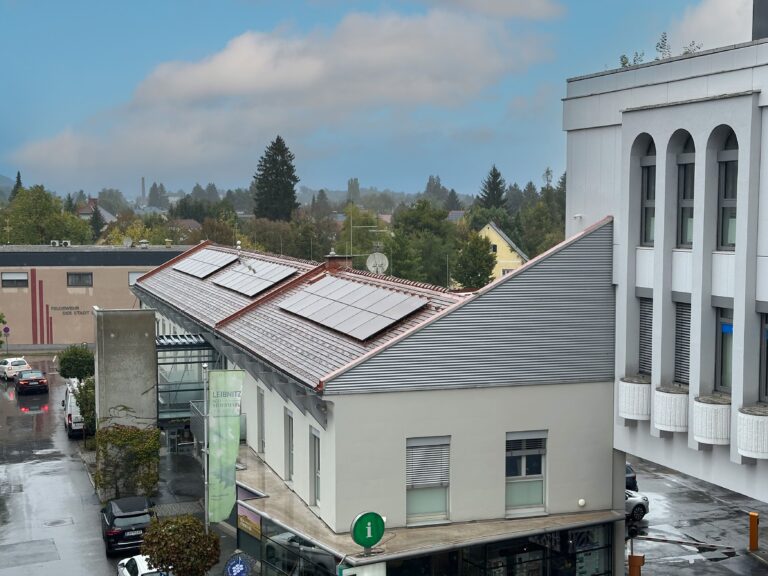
column 723, row 274
column 578, row 459
column 729, row 82
column 681, row 271
column 762, row 278
column 688, row 89
column 644, row 267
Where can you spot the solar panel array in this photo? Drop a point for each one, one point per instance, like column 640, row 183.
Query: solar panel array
column 253, row 276
column 205, row 262
column 357, row 310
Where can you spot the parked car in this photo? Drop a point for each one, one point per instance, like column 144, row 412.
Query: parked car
column 30, row 381
column 138, row 566
column 123, row 522
column 10, row 366
column 631, row 478
column 73, row 420
column 635, row 505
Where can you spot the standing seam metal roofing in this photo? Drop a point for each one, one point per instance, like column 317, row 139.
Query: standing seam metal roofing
column 300, row 347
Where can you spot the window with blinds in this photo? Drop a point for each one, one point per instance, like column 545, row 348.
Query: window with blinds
column 525, row 469
column 646, row 336
column 682, row 342
column 427, row 478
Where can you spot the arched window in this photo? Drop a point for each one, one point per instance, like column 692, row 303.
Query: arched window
column 728, row 169
column 685, row 176
column 648, row 195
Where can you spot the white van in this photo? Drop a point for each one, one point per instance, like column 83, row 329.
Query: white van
column 73, row 421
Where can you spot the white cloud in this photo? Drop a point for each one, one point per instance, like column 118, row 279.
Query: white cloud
column 532, row 9
column 713, row 23
column 210, row 117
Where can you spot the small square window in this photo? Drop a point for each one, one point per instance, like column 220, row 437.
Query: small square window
column 79, row 279
column 494, row 248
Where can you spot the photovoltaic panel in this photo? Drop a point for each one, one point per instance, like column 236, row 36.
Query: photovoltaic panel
column 253, row 276
column 205, row 262
column 358, row 310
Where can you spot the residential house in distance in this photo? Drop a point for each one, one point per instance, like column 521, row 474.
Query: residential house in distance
column 183, row 227
column 508, row 256
column 673, row 149
column 86, row 212
column 478, row 424
column 455, row 215
column 48, row 292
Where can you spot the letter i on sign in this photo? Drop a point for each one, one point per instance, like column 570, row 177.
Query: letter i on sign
column 368, row 530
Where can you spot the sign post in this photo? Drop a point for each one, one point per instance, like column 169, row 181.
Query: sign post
column 367, row 530
column 7, row 336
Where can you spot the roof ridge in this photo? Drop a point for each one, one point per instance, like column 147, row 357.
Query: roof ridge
column 246, row 251
column 396, row 280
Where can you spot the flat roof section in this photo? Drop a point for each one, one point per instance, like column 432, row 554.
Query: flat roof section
column 285, row 508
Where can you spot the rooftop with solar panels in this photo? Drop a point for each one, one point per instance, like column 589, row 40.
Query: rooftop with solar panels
column 307, row 318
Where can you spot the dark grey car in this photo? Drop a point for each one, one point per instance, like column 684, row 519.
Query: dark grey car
column 123, row 522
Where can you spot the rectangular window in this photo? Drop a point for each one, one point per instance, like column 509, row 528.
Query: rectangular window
column 314, row 466
column 494, row 248
column 724, row 350
column 764, row 357
column 427, row 478
column 648, row 201
column 645, row 359
column 133, row 276
column 288, row 445
column 685, row 175
column 79, row 279
column 14, row 280
column 726, row 205
column 260, row 440
column 682, row 342
column 525, row 470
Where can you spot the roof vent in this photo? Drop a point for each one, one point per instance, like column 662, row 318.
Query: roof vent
column 54, row 243
column 66, row 243
column 336, row 261
column 144, row 244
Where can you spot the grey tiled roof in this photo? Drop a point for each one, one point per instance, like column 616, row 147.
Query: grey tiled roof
column 299, row 347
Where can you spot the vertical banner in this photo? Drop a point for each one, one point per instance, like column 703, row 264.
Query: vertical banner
column 224, row 390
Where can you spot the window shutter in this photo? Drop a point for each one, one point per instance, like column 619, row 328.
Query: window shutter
column 527, row 446
column 646, row 332
column 682, row 342
column 428, row 466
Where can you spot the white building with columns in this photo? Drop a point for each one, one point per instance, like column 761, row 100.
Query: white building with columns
column 672, row 149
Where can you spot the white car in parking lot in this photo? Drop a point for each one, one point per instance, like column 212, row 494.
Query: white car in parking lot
column 635, row 505
column 11, row 366
column 138, row 566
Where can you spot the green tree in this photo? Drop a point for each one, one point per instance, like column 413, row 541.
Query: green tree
column 97, row 222
column 274, row 184
column 475, row 262
column 127, row 460
column 76, row 361
column 353, row 191
column 492, row 190
column 355, row 237
column 16, row 187
column 69, row 204
column 158, row 197
column 37, row 217
column 85, row 396
column 113, row 201
column 322, row 206
column 637, row 58
column 435, row 192
column 452, row 201
column 663, row 49
column 181, row 545
column 240, row 199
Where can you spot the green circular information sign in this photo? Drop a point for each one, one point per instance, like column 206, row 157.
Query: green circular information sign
column 367, row 529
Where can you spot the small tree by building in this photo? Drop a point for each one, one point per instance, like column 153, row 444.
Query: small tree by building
column 474, row 266
column 85, row 395
column 97, row 222
column 76, row 361
column 180, row 545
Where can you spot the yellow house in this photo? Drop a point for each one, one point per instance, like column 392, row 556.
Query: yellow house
column 508, row 256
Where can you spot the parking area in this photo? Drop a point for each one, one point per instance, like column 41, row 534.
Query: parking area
column 701, row 529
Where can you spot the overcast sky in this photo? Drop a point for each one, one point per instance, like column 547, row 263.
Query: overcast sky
column 99, row 94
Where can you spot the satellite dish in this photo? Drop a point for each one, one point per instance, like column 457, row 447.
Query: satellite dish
column 377, row 263
column 127, row 241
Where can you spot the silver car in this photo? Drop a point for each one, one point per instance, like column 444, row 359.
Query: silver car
column 635, row 505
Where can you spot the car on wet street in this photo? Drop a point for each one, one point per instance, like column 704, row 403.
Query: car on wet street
column 635, row 505
column 10, row 366
column 138, row 566
column 123, row 522
column 27, row 381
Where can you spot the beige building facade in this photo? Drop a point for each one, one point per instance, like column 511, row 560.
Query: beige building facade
column 47, row 293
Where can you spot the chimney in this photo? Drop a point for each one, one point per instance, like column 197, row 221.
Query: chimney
column 759, row 19
column 143, row 196
column 336, row 261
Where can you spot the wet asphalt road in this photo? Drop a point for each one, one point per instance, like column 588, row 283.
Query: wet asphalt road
column 49, row 514
column 690, row 510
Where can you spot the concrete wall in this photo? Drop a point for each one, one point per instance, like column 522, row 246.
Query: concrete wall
column 371, row 433
column 126, row 367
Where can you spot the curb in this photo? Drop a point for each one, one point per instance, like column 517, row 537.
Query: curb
column 85, row 464
column 758, row 556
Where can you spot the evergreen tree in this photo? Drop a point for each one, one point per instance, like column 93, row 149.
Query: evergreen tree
column 353, row 191
column 198, row 192
column 492, row 191
column 16, row 187
column 158, row 197
column 69, row 204
column 274, row 184
column 435, row 192
column 452, row 201
column 474, row 265
column 514, row 199
column 212, row 193
column 97, row 222
column 322, row 206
